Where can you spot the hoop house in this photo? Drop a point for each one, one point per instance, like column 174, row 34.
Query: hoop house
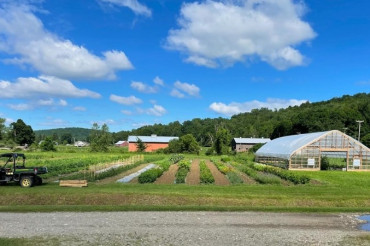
column 305, row 151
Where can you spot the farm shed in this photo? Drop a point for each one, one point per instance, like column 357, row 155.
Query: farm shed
column 152, row 142
column 121, row 144
column 244, row 144
column 305, row 151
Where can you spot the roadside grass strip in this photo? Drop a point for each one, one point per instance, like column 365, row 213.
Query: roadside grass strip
column 137, row 174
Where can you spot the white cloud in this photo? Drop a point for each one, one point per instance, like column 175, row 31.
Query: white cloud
column 126, row 112
column 157, row 110
column 131, row 100
column 79, row 108
column 158, row 81
column 141, row 87
column 21, row 106
column 134, row 5
column 213, row 33
column 24, row 37
column 177, row 93
column 43, row 86
column 184, row 88
column 236, row 108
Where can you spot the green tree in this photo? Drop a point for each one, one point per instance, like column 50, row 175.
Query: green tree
column 66, row 138
column 222, row 141
column 189, row 144
column 174, row 146
column 48, row 145
column 140, row 145
column 2, row 128
column 21, row 133
column 100, row 138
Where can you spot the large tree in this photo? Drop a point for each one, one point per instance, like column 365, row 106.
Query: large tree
column 2, row 128
column 222, row 141
column 21, row 133
column 100, row 138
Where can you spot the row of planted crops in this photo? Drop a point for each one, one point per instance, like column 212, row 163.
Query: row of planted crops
column 236, row 171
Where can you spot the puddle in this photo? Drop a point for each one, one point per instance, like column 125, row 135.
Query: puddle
column 365, row 227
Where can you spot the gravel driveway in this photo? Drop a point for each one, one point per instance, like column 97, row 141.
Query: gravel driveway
column 183, row 228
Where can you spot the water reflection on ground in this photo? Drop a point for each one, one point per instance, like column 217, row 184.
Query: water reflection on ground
column 365, row 227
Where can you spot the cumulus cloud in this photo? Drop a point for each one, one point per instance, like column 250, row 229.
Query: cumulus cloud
column 213, row 33
column 134, row 5
column 126, row 112
column 144, row 88
column 21, row 106
column 157, row 110
column 43, row 86
column 131, row 100
column 158, row 81
column 54, row 122
column 182, row 90
column 24, row 37
column 236, row 108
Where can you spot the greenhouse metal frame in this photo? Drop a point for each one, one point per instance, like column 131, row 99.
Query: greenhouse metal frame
column 305, row 151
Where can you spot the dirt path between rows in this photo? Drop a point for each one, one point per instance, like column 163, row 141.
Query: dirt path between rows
column 220, row 179
column 169, row 176
column 121, row 175
column 193, row 177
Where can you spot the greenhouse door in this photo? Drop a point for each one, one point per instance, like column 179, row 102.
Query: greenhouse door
column 334, row 159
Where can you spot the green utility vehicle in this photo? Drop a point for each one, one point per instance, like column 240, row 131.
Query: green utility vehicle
column 14, row 170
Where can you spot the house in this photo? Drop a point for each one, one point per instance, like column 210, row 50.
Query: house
column 152, row 142
column 121, row 144
column 244, row 144
column 306, row 151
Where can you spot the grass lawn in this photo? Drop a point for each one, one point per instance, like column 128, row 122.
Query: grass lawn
column 335, row 191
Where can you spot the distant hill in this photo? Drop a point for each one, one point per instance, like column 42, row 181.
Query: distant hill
column 76, row 132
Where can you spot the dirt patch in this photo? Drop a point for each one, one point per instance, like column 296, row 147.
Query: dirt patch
column 193, row 177
column 220, row 179
column 122, row 175
column 169, row 176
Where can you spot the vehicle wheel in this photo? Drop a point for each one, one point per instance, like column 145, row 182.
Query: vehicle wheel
column 26, row 181
column 38, row 180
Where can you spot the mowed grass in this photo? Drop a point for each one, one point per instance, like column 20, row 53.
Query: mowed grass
column 333, row 191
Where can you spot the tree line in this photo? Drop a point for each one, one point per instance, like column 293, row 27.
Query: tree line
column 337, row 113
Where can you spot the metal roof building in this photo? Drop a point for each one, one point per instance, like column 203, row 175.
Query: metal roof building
column 152, row 142
column 304, row 151
column 244, row 144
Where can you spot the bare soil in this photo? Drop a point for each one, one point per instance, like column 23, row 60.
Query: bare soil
column 220, row 179
column 193, row 177
column 169, row 176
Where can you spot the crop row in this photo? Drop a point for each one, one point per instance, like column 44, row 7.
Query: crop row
column 206, row 176
column 282, row 173
column 228, row 171
column 151, row 175
column 182, row 172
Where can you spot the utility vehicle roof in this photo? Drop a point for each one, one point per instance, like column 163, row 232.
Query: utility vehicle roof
column 13, row 155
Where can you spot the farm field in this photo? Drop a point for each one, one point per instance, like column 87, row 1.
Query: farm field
column 234, row 184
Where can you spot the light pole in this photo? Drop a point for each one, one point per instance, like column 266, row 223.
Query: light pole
column 359, row 128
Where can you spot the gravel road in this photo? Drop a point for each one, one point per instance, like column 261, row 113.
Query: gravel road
column 183, row 228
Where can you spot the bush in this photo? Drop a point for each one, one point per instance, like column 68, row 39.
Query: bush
column 225, row 158
column 206, row 176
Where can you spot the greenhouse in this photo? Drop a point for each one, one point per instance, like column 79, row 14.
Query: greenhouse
column 308, row 152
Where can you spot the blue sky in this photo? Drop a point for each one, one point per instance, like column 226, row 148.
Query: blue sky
column 129, row 63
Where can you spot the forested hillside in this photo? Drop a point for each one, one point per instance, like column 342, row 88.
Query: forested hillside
column 74, row 133
column 337, row 113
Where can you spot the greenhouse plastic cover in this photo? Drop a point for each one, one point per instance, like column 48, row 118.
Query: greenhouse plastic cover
column 285, row 146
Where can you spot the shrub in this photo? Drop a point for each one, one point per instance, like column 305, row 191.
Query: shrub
column 225, row 158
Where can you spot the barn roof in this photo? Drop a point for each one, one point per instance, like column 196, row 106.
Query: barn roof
column 251, row 140
column 284, row 147
column 151, row 139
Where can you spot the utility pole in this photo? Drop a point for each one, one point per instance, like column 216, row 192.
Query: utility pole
column 359, row 128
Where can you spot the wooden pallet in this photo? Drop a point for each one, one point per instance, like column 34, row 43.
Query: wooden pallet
column 73, row 183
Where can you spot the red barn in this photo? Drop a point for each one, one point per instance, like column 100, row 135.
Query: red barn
column 152, row 142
